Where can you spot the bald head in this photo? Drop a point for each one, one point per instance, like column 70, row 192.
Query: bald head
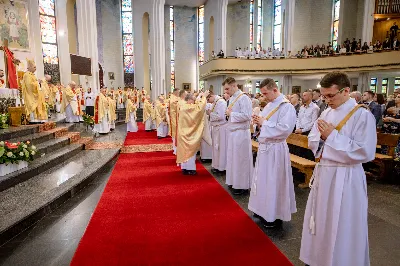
column 47, row 77
column 356, row 95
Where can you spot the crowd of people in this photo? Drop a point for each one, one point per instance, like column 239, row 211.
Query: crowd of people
column 341, row 134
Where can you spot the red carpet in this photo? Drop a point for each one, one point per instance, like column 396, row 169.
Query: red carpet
column 150, row 214
column 144, row 138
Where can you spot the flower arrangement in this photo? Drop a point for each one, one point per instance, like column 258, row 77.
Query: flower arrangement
column 4, row 120
column 88, row 120
column 15, row 152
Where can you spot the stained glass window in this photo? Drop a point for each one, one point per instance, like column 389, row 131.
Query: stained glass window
column 259, row 24
column 127, row 40
column 46, row 7
column 277, row 24
column 251, row 22
column 397, row 83
column 126, row 5
column 200, row 36
column 384, row 86
column 172, row 41
column 335, row 26
column 372, row 86
column 48, row 35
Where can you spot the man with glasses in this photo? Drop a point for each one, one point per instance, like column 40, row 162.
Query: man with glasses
column 335, row 228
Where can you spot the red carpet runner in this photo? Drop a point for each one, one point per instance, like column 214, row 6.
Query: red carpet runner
column 150, row 214
column 144, row 138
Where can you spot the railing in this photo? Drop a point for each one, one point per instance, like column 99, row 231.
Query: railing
column 387, row 6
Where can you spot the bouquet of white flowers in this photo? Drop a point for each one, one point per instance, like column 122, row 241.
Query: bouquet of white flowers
column 14, row 152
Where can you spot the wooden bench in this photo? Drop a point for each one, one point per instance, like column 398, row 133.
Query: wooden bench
column 385, row 161
column 304, row 166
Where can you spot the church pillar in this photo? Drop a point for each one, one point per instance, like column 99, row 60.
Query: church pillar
column 364, row 80
column 368, row 21
column 35, row 35
column 221, row 26
column 289, row 9
column 87, row 36
column 286, row 84
column 63, row 44
column 157, row 43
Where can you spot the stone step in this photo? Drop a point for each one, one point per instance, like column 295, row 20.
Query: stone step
column 51, row 145
column 25, row 204
column 40, row 137
column 39, row 166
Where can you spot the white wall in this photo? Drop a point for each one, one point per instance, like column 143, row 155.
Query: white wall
column 216, row 82
column 351, row 20
column 185, row 46
column 112, row 42
column 237, row 27
column 268, row 23
column 313, row 22
column 167, row 49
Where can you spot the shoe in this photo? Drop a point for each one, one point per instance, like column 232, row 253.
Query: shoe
column 215, row 171
column 229, row 186
column 255, row 215
column 190, row 172
column 239, row 191
column 275, row 224
column 184, row 171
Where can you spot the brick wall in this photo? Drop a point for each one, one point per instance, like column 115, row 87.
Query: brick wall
column 185, row 46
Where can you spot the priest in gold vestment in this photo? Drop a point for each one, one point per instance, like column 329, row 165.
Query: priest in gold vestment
column 147, row 114
column 112, row 110
column 172, row 115
column 161, row 118
column 101, row 113
column 69, row 104
column 35, row 105
column 190, row 131
column 130, row 118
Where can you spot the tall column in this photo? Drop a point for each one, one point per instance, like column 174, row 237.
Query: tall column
column 368, row 21
column 221, row 26
column 157, row 43
column 287, row 84
column 289, row 9
column 364, row 80
column 217, row 9
column 87, row 36
column 35, row 35
column 63, row 44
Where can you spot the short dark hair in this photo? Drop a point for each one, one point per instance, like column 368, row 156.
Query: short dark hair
column 371, row 93
column 229, row 81
column 317, row 91
column 337, row 78
column 379, row 98
column 269, row 83
column 175, row 90
column 181, row 92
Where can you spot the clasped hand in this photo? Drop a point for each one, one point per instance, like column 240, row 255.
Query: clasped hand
column 325, row 128
column 259, row 120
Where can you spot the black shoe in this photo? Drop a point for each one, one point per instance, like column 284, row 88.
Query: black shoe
column 275, row 224
column 184, row 171
column 215, row 171
column 255, row 215
column 190, row 172
column 239, row 191
column 229, row 186
column 222, row 172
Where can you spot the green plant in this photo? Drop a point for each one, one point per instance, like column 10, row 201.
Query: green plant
column 88, row 120
column 14, row 152
column 4, row 120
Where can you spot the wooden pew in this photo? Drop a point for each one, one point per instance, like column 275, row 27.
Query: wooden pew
column 385, row 161
column 305, row 166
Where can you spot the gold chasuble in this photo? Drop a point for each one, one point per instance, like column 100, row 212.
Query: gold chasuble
column 68, row 96
column 112, row 106
column 161, row 113
column 33, row 97
column 147, row 110
column 45, row 88
column 190, row 129
column 100, row 108
column 173, row 113
column 130, row 107
column 52, row 94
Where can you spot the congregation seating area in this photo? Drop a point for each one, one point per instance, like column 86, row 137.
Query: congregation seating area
column 381, row 168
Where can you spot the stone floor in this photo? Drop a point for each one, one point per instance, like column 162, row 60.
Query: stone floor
column 54, row 239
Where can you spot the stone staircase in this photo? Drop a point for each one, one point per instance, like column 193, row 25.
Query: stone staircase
column 61, row 168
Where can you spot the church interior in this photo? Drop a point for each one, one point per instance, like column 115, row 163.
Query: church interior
column 110, row 153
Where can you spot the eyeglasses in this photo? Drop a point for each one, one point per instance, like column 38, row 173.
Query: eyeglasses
column 331, row 96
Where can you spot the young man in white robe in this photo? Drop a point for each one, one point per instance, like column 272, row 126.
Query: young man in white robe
column 130, row 118
column 218, row 132
column 272, row 197
column 69, row 104
column 239, row 152
column 335, row 228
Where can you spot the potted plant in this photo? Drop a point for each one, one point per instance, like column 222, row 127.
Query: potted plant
column 15, row 156
column 88, row 121
column 4, row 120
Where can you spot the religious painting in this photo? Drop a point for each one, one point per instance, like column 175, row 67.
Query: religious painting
column 296, row 89
column 14, row 24
column 186, row 86
column 111, row 76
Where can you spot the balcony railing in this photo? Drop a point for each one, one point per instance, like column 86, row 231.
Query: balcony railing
column 388, row 7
